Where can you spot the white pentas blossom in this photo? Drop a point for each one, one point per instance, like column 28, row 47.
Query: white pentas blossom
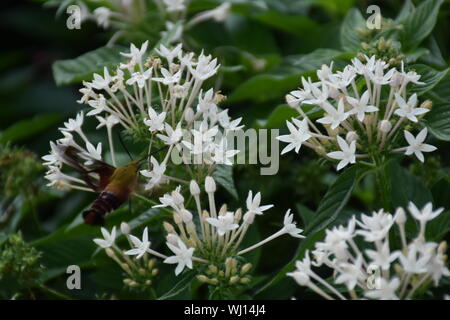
column 159, row 101
column 139, row 273
column 363, row 111
column 210, row 240
column 365, row 258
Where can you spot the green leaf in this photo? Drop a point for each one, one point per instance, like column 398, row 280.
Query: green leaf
column 29, row 128
column 278, row 117
column 438, row 228
column 438, row 121
column 429, row 76
column 334, row 200
column 419, row 24
column 282, row 79
column 406, row 187
column 81, row 68
column 306, row 214
column 223, row 175
column 350, row 39
column 407, row 9
column 180, row 286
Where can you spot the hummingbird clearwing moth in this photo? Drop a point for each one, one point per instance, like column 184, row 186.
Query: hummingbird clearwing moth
column 115, row 185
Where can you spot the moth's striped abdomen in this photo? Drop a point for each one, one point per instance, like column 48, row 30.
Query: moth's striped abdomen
column 106, row 202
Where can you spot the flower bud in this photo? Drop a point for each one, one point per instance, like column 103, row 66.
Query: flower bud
column 125, row 228
column 194, row 188
column 189, row 115
column 202, row 278
column 155, row 272
column 214, row 281
column 110, row 252
column 177, row 218
column 223, row 210
column 427, row 104
column 142, row 271
column 148, row 282
column 172, row 239
column 245, row 280
column 238, row 215
column 210, row 185
column 168, row 227
column 351, row 136
column 249, row 217
column 186, row 216
column 385, row 126
column 246, row 268
column 400, row 216
column 234, row 279
column 213, row 269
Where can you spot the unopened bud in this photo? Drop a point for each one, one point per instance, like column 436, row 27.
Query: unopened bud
column 351, row 136
column 110, row 252
column 186, row 216
column 223, row 210
column 177, row 218
column 148, row 282
column 400, row 216
column 155, row 272
column 142, row 271
column 246, row 268
column 385, row 126
column 214, row 281
column 172, row 238
column 234, row 279
column 210, row 185
column 194, row 188
column 125, row 228
column 213, row 269
column 238, row 215
column 202, row 278
column 427, row 104
column 442, row 247
column 244, row 280
column 189, row 115
column 127, row 281
column 151, row 264
column 249, row 217
column 168, row 227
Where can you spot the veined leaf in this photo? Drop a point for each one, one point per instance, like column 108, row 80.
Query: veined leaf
column 350, row 39
column 224, row 176
column 429, row 76
column 438, row 121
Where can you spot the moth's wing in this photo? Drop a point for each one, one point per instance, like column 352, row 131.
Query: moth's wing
column 73, row 158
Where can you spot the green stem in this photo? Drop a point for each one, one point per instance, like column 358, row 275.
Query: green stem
column 54, row 293
column 383, row 183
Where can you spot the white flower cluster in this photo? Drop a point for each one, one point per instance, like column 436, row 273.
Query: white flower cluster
column 218, row 241
column 119, row 13
column 369, row 266
column 140, row 273
column 365, row 107
column 162, row 100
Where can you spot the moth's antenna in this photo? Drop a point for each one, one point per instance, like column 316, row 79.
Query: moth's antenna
column 124, row 146
column 153, row 153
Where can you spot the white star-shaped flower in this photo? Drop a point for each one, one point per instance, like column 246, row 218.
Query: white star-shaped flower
column 183, row 256
column 299, row 133
column 173, row 136
column 223, row 223
column 290, row 225
column 333, row 117
column 156, row 175
column 141, row 247
column 155, row 121
column 346, row 155
column 108, row 238
column 408, row 109
column 361, row 106
column 416, row 144
column 253, row 204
